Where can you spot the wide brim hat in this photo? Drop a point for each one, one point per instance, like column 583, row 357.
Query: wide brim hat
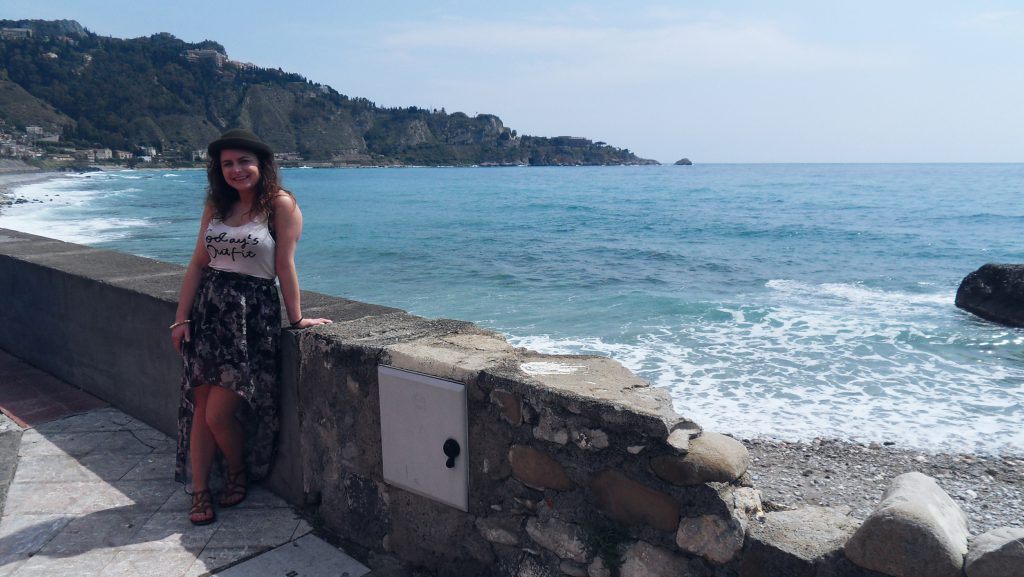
column 241, row 139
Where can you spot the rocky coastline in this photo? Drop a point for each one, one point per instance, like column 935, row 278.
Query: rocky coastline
column 835, row 473
column 10, row 180
column 14, row 174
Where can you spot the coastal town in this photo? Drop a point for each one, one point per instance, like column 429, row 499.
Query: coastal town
column 38, row 146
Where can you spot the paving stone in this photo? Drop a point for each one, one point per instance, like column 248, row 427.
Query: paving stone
column 36, row 398
column 261, row 498
column 34, row 443
column 214, row 558
column 151, row 436
column 8, row 569
column 152, row 467
column 149, row 564
column 113, row 467
column 309, row 556
column 177, row 503
column 24, row 535
column 147, row 495
column 93, row 495
column 255, row 527
column 105, row 419
column 100, row 530
column 168, row 531
column 52, row 468
column 71, row 498
column 89, row 564
column 302, row 529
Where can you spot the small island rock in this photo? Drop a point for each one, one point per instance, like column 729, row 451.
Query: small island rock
column 994, row 292
column 684, row 162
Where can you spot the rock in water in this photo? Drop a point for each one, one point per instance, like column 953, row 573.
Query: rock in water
column 994, row 292
column 683, row 162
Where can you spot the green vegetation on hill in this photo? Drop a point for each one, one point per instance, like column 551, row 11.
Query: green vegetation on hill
column 174, row 96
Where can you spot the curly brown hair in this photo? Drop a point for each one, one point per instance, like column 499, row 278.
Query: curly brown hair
column 220, row 196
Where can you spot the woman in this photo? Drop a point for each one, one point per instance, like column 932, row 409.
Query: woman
column 229, row 318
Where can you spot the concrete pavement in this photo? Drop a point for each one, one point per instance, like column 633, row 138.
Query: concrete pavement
column 90, row 492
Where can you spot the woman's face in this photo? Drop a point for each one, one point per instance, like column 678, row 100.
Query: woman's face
column 241, row 168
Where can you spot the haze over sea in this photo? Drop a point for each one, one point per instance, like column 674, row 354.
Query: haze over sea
column 790, row 301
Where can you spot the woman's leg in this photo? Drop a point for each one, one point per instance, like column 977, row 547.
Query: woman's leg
column 220, row 418
column 202, row 448
column 221, row 422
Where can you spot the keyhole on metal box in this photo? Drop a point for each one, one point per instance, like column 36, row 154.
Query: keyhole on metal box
column 451, row 450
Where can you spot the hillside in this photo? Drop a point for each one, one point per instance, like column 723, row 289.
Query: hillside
column 175, row 97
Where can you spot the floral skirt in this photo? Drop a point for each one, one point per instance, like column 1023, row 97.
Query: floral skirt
column 235, row 328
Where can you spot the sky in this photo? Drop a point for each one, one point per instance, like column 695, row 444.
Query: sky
column 725, row 81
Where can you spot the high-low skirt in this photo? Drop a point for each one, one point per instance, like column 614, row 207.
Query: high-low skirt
column 235, row 328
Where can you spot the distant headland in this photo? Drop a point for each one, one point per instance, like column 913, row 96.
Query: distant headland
column 71, row 95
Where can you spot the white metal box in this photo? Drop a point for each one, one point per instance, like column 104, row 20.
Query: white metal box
column 424, row 435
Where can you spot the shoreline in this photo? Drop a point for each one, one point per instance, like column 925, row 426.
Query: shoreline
column 14, row 179
column 835, row 473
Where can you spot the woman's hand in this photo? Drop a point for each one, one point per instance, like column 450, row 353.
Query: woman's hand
column 306, row 323
column 180, row 334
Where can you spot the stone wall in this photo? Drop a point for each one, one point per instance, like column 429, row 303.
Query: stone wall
column 576, row 466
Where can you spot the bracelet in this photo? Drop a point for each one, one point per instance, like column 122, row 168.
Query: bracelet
column 179, row 323
column 297, row 322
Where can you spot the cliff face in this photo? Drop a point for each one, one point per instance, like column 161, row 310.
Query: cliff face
column 176, row 96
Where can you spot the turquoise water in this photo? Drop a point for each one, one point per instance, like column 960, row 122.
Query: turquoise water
column 786, row 300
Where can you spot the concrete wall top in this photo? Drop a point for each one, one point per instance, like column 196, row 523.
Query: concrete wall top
column 446, row 348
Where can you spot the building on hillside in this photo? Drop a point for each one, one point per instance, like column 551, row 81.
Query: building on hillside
column 122, row 155
column 206, row 55
column 103, row 154
column 15, row 33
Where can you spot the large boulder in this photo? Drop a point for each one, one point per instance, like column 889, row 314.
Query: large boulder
column 717, row 539
column 711, row 458
column 994, row 292
column 633, row 503
column 645, row 560
column 998, row 553
column 916, row 531
column 796, row 543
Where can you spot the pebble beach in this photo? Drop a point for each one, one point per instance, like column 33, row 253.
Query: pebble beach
column 836, row 473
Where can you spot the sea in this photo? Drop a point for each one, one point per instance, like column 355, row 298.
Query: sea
column 790, row 301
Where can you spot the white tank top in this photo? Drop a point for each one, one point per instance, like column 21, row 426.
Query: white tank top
column 246, row 249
